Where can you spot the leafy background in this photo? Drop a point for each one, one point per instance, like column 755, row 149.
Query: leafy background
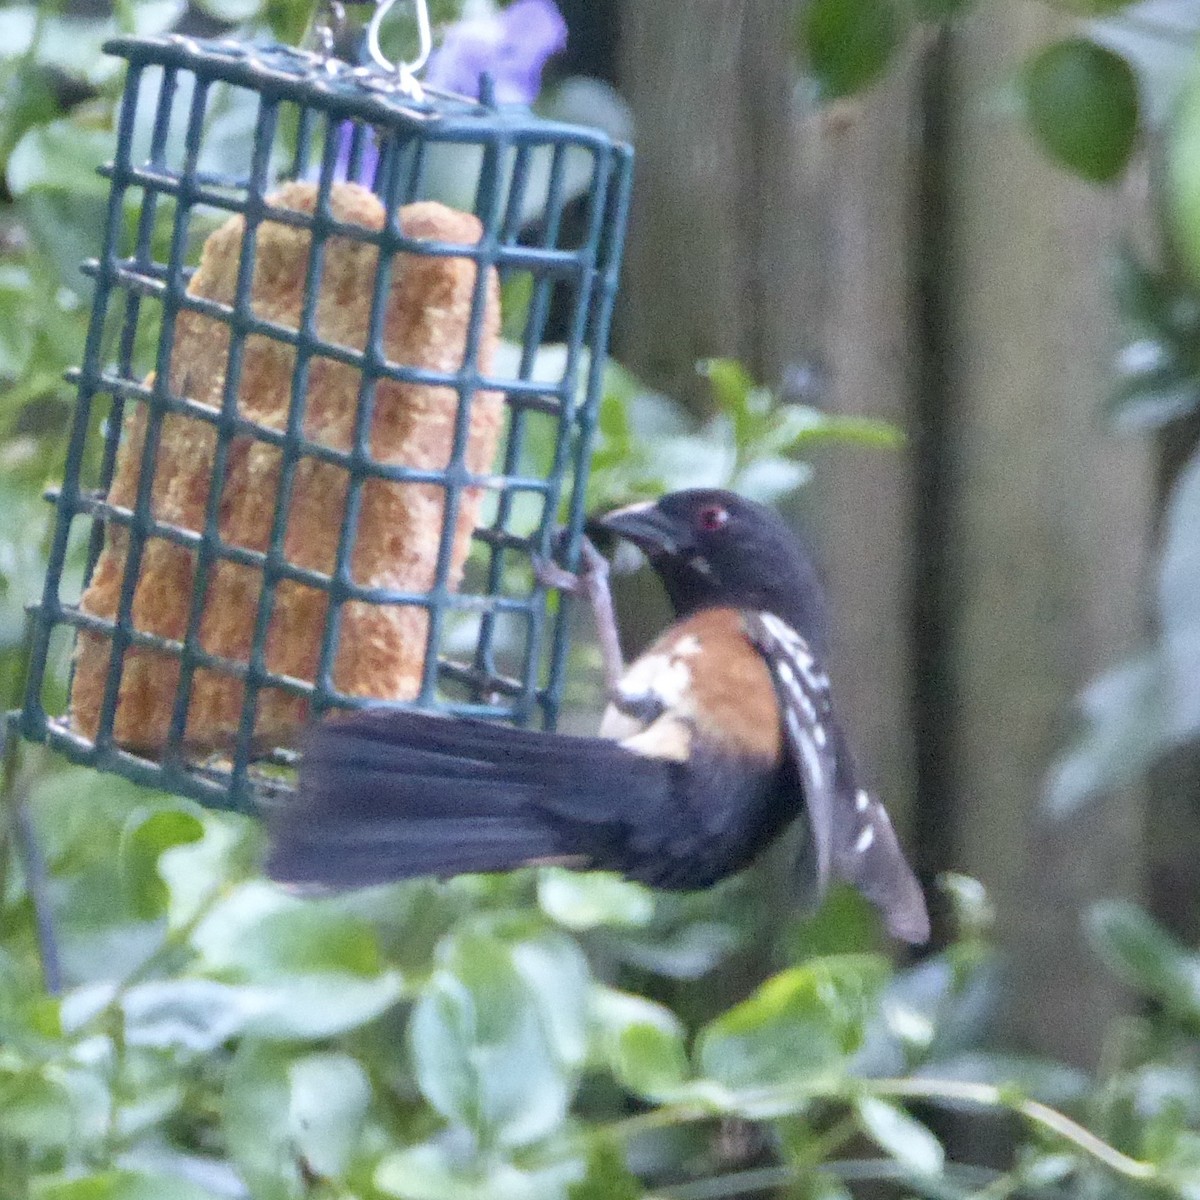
column 199, row 1033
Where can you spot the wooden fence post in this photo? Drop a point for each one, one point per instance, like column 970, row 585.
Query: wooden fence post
column 897, row 264
column 1048, row 532
column 724, row 251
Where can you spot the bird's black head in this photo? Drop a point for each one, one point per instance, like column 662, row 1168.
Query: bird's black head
column 712, row 547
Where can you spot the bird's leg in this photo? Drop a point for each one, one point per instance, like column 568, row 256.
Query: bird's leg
column 591, row 583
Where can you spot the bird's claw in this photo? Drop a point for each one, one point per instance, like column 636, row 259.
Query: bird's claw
column 589, row 582
column 550, row 575
column 593, row 572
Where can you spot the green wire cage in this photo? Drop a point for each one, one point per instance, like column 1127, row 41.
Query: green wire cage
column 160, row 503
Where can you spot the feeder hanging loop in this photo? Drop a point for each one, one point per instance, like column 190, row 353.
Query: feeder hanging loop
column 407, row 71
column 328, row 26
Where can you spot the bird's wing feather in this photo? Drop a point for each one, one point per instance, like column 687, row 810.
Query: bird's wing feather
column 803, row 691
column 852, row 836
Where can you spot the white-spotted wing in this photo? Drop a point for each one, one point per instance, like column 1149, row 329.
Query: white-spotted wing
column 852, row 836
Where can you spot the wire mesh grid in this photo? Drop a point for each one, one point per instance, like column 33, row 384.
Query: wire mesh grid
column 493, row 643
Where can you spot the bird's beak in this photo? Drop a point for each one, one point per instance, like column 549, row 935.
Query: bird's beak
column 645, row 525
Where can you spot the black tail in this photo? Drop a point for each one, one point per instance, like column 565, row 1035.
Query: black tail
column 387, row 796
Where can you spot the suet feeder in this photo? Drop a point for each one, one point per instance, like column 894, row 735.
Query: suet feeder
column 306, row 471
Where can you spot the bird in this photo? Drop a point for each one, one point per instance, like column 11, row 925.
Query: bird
column 716, row 739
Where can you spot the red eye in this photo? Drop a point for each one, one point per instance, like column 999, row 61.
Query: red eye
column 711, row 517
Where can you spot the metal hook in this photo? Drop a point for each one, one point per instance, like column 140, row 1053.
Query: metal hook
column 328, row 25
column 406, row 70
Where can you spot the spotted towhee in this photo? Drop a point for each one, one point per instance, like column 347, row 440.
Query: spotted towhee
column 715, row 739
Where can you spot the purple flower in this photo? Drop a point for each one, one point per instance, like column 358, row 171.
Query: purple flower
column 368, row 161
column 511, row 45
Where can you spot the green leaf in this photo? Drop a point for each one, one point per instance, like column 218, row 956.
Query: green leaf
column 256, row 1121
column 433, row 1172
column 64, row 227
column 751, row 411
column 287, row 1117
column 1143, row 294
column 122, row 1185
column 27, row 99
column 587, row 899
column 1147, row 706
column 482, row 1053
column 822, row 1185
column 1137, row 949
column 650, row 1061
column 427, row 1173
column 21, row 998
column 146, row 836
column 194, row 1015
column 559, row 980
column 329, row 1098
column 937, row 1008
column 198, row 1015
column 71, row 43
column 1081, row 100
column 1183, row 177
column 1153, row 387
column 846, row 922
column 1179, row 1165
column 770, row 478
column 582, row 100
column 516, row 295
column 197, row 872
column 321, row 1004
column 848, row 44
column 289, row 19
column 903, row 1137
column 797, row 425
column 970, row 905
column 156, row 1089
column 642, row 1042
column 1179, row 615
column 258, row 931
column 232, row 12
column 1045, row 1170
column 61, row 155
column 801, row 1024
column 1127, row 727
column 17, row 25
column 49, row 1106
column 1161, row 1089
column 690, row 933
column 81, row 819
column 608, row 1178
column 1158, row 368
column 730, row 379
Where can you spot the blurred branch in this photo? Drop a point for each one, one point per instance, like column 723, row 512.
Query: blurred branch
column 990, row 1096
column 958, row 1181
column 779, row 1099
column 36, row 883
column 17, row 836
